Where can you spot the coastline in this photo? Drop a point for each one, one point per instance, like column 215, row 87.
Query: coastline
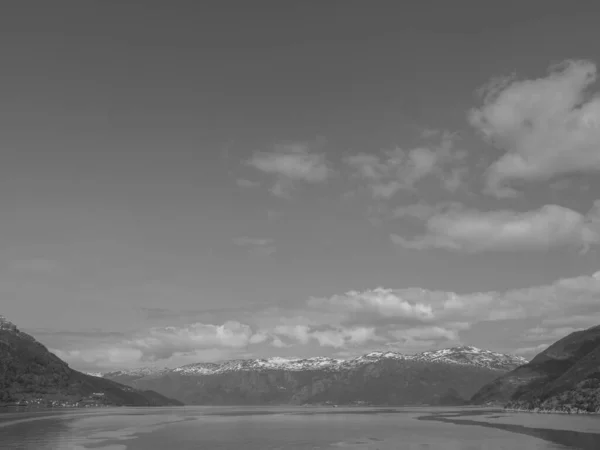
column 552, row 411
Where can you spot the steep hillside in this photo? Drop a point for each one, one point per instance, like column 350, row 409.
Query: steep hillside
column 441, row 377
column 564, row 376
column 30, row 373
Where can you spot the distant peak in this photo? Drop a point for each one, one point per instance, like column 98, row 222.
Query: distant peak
column 469, row 348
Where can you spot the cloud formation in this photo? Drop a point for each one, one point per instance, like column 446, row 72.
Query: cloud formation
column 469, row 230
column 378, row 302
column 547, row 126
column 400, row 169
column 289, row 164
column 335, row 337
column 162, row 343
column 409, row 320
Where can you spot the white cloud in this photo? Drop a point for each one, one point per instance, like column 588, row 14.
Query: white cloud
column 415, row 308
column 469, row 230
column 547, row 126
column 400, row 169
column 291, row 163
column 278, row 343
column 196, row 340
column 409, row 319
column 162, row 343
column 336, row 337
column 381, row 302
column 300, row 333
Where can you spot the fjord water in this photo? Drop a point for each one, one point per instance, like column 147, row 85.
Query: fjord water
column 263, row 428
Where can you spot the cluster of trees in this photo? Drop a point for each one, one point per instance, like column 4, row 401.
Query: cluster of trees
column 585, row 398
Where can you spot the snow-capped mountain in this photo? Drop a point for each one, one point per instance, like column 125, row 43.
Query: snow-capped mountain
column 438, row 377
column 465, row 355
column 474, row 356
column 288, row 364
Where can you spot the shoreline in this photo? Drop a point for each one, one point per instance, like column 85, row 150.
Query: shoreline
column 552, row 411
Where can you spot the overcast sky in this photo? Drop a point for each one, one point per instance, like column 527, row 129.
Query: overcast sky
column 192, row 181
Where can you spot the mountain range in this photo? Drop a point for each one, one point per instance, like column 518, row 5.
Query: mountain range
column 565, row 377
column 447, row 376
column 30, row 374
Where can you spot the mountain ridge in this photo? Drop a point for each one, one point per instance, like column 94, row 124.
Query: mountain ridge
column 461, row 355
column 564, row 377
column 446, row 376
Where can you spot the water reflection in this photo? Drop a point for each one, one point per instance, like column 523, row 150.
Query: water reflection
column 285, row 429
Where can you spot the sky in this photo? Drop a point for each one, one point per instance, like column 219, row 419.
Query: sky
column 193, row 181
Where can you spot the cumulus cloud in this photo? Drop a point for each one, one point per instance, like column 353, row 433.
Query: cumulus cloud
column 456, row 311
column 558, row 309
column 291, row 163
column 162, row 343
column 408, row 319
column 336, row 337
column 546, row 126
column 415, row 307
column 166, row 343
column 379, row 302
column 400, row 169
column 460, row 229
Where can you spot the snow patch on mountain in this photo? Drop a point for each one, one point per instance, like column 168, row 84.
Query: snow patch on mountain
column 465, row 355
column 94, row 374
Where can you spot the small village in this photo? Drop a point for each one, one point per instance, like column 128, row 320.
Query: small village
column 96, row 400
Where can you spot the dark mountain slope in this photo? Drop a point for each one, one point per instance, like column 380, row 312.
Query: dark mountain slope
column 29, row 371
column 564, row 376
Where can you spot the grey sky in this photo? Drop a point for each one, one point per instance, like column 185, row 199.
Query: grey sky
column 214, row 166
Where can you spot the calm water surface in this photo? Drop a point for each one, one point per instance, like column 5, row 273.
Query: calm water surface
column 264, row 428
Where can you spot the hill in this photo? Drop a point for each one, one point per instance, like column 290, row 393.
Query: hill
column 29, row 373
column 446, row 376
column 564, row 377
